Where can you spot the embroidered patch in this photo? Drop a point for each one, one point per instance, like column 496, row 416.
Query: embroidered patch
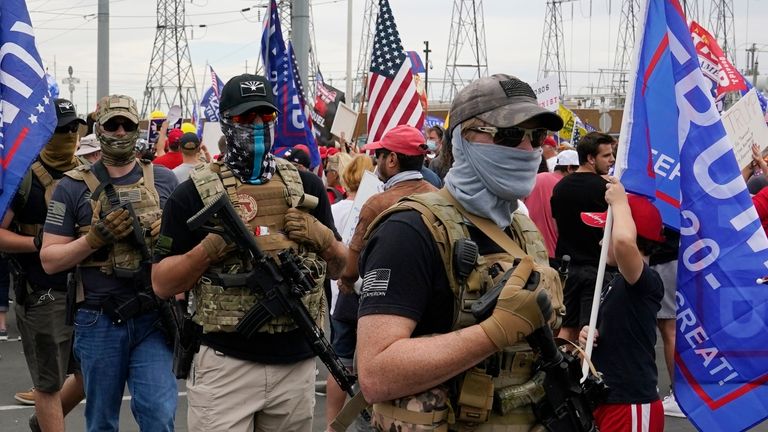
column 252, row 88
column 56, row 212
column 375, row 283
column 248, row 206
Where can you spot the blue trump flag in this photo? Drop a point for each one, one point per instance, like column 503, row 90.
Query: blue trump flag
column 210, row 101
column 26, row 106
column 292, row 127
column 676, row 150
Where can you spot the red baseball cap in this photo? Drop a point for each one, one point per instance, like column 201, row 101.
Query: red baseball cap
column 174, row 135
column 646, row 216
column 401, row 139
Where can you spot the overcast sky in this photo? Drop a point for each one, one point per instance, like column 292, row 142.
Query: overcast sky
column 66, row 35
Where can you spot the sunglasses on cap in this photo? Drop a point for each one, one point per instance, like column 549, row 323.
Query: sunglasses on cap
column 249, row 117
column 513, row 136
column 70, row 127
column 114, row 123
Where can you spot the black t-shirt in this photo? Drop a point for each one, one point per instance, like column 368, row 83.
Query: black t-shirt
column 625, row 351
column 404, row 275
column 576, row 193
column 669, row 250
column 33, row 211
column 266, row 348
column 71, row 208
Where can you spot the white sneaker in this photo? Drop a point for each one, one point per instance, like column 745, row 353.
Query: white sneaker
column 671, row 408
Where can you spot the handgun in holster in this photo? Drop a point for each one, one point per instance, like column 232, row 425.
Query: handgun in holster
column 187, row 341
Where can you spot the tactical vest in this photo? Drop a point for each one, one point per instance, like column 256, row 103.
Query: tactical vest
column 49, row 184
column 475, row 389
column 146, row 204
column 221, row 298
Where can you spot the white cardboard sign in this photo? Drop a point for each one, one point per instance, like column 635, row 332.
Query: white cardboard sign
column 745, row 126
column 344, row 122
column 548, row 92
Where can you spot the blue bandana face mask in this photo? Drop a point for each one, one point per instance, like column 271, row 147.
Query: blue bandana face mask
column 248, row 150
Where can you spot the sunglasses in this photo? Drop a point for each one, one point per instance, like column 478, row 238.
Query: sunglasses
column 513, row 136
column 113, row 124
column 251, row 116
column 68, row 128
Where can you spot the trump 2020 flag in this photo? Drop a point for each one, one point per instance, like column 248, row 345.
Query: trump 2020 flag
column 292, row 126
column 26, row 109
column 393, row 99
column 677, row 150
column 210, row 101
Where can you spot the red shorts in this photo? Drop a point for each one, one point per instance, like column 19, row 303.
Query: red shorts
column 630, row 417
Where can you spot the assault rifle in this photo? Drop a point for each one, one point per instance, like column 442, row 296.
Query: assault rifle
column 281, row 284
column 563, row 403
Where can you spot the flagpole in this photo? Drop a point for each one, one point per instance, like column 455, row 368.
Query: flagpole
column 624, row 133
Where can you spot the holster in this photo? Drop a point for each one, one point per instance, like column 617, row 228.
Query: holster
column 185, row 345
column 20, row 290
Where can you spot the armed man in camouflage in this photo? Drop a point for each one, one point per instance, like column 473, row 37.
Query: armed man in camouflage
column 430, row 257
column 265, row 382
column 90, row 226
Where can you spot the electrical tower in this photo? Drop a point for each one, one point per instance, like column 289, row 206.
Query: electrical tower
column 285, row 9
column 692, row 10
column 364, row 54
column 467, row 58
column 624, row 48
column 170, row 80
column 552, row 54
column 722, row 28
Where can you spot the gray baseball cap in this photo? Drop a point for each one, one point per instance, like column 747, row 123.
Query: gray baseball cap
column 502, row 101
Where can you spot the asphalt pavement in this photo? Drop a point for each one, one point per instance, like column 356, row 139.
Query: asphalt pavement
column 15, row 377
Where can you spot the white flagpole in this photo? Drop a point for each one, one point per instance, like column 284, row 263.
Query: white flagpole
column 625, row 132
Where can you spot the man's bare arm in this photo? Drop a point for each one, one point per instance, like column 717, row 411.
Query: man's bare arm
column 12, row 242
column 336, row 257
column 178, row 273
column 392, row 364
column 61, row 253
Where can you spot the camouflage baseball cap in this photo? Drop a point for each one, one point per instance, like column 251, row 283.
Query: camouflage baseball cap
column 117, row 105
column 502, row 101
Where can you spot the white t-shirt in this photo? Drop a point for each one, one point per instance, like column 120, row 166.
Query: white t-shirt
column 341, row 211
column 182, row 171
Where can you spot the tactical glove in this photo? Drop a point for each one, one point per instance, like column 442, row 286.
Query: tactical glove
column 216, row 247
column 154, row 229
column 517, row 314
column 113, row 227
column 306, row 229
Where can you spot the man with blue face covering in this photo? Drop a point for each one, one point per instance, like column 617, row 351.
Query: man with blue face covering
column 431, row 256
column 265, row 382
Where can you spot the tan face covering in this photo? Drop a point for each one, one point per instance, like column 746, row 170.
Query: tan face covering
column 59, row 153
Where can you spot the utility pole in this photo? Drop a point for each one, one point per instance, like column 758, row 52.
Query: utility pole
column 426, row 69
column 102, row 50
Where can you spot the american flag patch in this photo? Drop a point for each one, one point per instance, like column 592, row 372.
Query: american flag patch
column 375, row 282
column 56, row 211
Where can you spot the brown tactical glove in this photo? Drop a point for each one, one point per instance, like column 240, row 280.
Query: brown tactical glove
column 517, row 314
column 113, row 227
column 306, row 229
column 154, row 229
column 216, row 247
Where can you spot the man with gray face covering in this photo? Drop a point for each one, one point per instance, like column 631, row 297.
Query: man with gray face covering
column 117, row 336
column 417, row 351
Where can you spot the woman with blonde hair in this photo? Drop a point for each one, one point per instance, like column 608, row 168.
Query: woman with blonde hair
column 344, row 306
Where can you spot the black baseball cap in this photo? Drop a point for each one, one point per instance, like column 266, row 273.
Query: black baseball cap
column 300, row 157
column 245, row 92
column 189, row 141
column 65, row 113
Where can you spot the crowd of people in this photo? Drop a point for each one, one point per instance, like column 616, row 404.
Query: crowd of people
column 99, row 237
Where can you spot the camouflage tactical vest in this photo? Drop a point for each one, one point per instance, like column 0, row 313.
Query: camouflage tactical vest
column 146, row 204
column 221, row 297
column 49, row 184
column 477, row 389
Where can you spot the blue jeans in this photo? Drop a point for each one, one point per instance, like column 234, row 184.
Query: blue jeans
column 111, row 355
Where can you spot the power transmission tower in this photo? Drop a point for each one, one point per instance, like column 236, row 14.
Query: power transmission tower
column 364, row 55
column 467, row 54
column 552, row 54
column 722, row 28
column 692, row 10
column 624, row 48
column 170, row 80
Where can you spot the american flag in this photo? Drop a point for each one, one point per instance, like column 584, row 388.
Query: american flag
column 393, row 99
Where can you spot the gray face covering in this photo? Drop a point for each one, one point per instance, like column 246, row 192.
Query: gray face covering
column 506, row 174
